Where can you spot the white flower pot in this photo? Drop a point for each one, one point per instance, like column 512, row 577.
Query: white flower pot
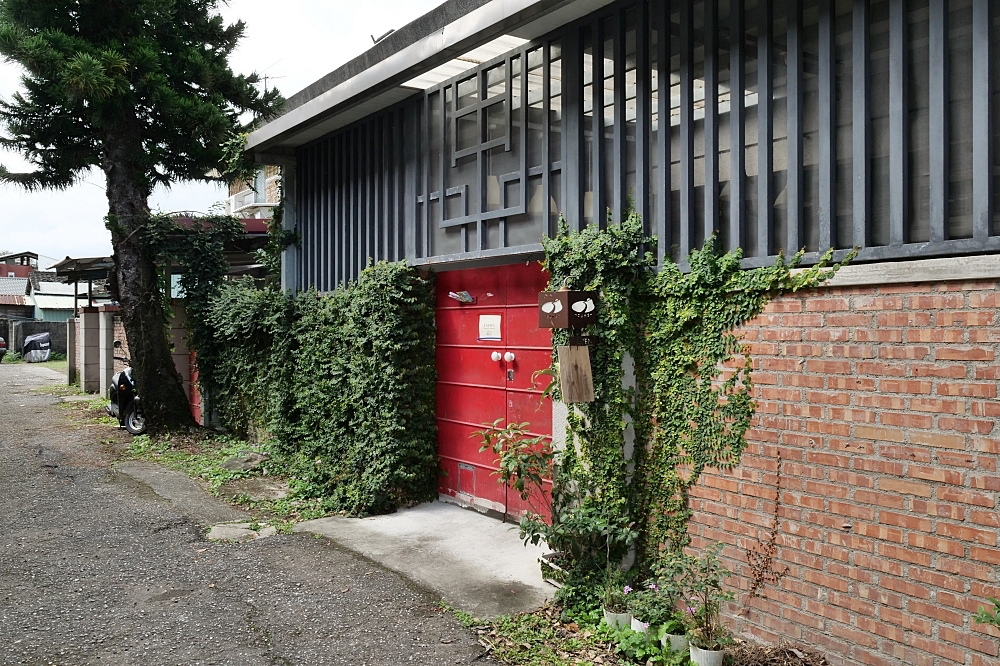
column 639, row 626
column 707, row 657
column 677, row 642
column 617, row 620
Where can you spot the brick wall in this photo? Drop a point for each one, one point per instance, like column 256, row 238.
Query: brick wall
column 76, row 348
column 120, row 335
column 882, row 404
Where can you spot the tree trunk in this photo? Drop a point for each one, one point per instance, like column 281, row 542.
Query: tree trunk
column 159, row 385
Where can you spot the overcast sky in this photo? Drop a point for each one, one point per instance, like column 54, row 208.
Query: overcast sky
column 293, row 42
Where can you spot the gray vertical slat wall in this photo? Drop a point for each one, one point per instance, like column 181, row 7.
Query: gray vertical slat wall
column 794, row 230
column 938, row 121
column 827, row 125
column 898, row 123
column 861, row 145
column 365, row 191
column 737, row 127
column 982, row 121
column 765, row 129
column 685, row 240
column 711, row 124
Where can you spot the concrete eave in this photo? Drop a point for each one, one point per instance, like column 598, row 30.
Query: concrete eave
column 378, row 86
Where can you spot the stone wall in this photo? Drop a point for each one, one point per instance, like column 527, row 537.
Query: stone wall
column 882, row 405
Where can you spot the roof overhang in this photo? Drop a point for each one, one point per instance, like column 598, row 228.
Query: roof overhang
column 383, row 83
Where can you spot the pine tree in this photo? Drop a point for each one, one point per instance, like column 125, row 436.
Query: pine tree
column 141, row 89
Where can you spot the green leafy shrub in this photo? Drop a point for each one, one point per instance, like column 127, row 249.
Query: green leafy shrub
column 341, row 384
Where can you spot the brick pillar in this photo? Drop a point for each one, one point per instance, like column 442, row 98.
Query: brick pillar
column 90, row 379
column 71, row 351
column 106, row 343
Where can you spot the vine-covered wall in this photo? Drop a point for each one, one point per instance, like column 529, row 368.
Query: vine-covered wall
column 343, row 384
column 622, row 484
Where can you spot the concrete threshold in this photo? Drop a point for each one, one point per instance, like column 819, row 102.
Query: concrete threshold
column 475, row 563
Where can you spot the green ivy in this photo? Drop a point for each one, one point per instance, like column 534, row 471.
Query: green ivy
column 342, row 384
column 687, row 410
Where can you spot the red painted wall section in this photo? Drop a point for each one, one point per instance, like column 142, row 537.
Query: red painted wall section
column 194, row 397
column 882, row 404
column 474, row 390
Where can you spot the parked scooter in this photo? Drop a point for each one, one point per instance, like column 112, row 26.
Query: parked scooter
column 124, row 399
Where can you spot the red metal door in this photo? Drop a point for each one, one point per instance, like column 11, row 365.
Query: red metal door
column 474, row 389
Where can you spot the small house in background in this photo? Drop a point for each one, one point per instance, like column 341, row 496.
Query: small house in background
column 18, row 265
column 52, row 297
column 257, row 199
column 14, row 300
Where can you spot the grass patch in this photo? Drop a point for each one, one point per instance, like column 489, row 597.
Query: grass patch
column 542, row 638
column 201, row 456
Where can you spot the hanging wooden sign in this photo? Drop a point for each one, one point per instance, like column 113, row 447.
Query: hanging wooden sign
column 576, row 379
column 567, row 309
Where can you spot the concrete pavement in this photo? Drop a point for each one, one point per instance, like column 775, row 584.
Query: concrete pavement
column 475, row 563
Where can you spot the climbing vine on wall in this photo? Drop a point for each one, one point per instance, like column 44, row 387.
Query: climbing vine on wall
column 634, row 453
column 342, row 384
column 196, row 246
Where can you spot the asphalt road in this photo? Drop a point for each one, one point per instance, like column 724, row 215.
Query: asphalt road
column 97, row 569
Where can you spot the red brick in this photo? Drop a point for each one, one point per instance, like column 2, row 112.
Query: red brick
column 878, row 335
column 912, row 453
column 968, row 390
column 939, row 509
column 976, row 426
column 850, row 383
column 950, row 301
column 908, row 521
column 903, row 319
column 986, row 300
column 966, row 497
column 905, row 386
column 904, row 554
column 963, row 354
column 890, row 500
column 934, row 370
column 905, row 487
column 985, row 409
column 826, row 304
column 903, row 352
column 878, row 434
column 881, row 401
column 937, row 335
column 906, row 620
column 907, row 420
column 800, row 319
column 968, row 534
column 938, row 440
column 936, row 544
column 881, row 369
column 974, row 318
column 937, row 406
column 990, row 372
column 829, row 367
column 935, row 474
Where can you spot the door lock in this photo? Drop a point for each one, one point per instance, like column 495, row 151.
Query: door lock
column 510, row 375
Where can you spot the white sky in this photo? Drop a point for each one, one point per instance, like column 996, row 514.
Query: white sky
column 293, row 42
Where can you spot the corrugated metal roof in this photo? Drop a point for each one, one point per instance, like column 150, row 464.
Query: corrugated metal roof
column 13, row 286
column 53, row 288
column 8, row 299
column 53, row 301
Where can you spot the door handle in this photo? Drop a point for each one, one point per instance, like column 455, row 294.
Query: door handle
column 496, row 356
column 509, row 357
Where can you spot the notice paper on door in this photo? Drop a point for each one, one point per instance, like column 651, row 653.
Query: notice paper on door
column 489, row 327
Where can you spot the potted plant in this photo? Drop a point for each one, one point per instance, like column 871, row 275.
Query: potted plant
column 640, row 605
column 673, row 572
column 616, row 594
column 708, row 635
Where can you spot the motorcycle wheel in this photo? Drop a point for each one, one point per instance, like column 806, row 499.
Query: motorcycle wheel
column 135, row 422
